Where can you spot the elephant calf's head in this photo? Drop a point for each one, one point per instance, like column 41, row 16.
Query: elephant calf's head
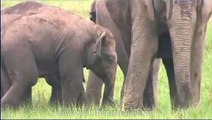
column 102, row 58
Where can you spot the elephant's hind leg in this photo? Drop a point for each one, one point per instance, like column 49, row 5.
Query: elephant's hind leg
column 150, row 92
column 82, row 98
column 56, row 94
column 5, row 82
column 22, row 73
column 168, row 63
column 27, row 95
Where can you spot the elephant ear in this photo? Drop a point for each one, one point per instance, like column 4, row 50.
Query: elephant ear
column 98, row 45
column 150, row 9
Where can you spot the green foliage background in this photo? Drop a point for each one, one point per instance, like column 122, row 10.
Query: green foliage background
column 41, row 91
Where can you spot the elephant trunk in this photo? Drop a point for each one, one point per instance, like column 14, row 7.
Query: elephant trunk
column 109, row 82
column 181, row 28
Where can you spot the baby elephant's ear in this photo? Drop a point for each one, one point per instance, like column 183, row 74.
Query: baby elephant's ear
column 99, row 44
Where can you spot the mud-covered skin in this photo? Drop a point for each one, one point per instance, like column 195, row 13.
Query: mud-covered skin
column 54, row 41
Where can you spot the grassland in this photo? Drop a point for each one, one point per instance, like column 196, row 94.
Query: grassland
column 41, row 91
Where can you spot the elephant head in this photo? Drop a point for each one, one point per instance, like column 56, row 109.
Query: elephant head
column 102, row 59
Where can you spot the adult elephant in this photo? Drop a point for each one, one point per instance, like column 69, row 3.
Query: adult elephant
column 48, row 41
column 181, row 24
column 119, row 24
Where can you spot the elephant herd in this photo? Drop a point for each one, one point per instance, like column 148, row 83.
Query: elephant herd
column 45, row 41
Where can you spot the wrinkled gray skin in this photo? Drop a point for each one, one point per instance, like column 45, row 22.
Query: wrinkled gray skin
column 120, row 30
column 52, row 41
column 181, row 24
column 9, row 15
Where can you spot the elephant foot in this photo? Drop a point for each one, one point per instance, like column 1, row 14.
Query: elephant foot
column 128, row 106
column 109, row 101
column 4, row 106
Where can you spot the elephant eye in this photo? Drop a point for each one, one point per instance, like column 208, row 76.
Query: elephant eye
column 110, row 58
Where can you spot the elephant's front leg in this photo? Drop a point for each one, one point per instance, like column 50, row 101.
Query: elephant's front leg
column 197, row 51
column 94, row 88
column 72, row 87
column 143, row 48
column 71, row 76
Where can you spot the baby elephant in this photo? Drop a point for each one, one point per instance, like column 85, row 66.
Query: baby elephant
column 56, row 42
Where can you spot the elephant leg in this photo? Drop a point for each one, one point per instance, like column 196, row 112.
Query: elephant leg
column 71, row 88
column 143, row 48
column 82, row 98
column 94, row 88
column 23, row 78
column 27, row 95
column 150, row 92
column 198, row 50
column 71, row 77
column 56, row 94
column 5, row 82
column 168, row 63
column 123, row 61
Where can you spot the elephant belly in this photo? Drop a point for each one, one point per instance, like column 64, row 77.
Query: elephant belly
column 46, row 69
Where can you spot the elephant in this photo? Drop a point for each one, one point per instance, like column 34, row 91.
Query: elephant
column 52, row 41
column 181, row 22
column 173, row 30
column 120, row 29
column 9, row 15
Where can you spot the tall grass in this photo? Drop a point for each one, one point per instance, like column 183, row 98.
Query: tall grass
column 41, row 91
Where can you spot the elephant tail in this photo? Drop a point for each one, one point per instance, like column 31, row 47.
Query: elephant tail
column 93, row 12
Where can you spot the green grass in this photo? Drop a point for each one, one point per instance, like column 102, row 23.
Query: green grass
column 41, row 91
